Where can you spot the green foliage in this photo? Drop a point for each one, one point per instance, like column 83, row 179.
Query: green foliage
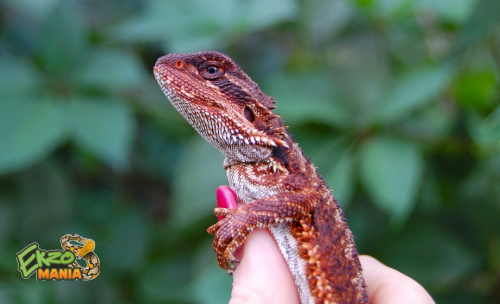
column 396, row 102
column 392, row 171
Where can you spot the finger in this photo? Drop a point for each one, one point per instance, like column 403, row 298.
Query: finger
column 385, row 285
column 262, row 276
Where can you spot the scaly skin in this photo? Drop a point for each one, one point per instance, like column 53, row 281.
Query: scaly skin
column 279, row 186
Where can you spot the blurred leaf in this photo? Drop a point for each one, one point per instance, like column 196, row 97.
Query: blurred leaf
column 394, row 9
column 256, row 18
column 494, row 256
column 318, row 103
column 360, row 85
column 486, row 132
column 39, row 8
column 79, row 293
column 63, row 40
column 4, row 295
column 481, row 24
column 166, row 281
column 111, row 69
column 391, row 170
column 199, row 173
column 104, row 127
column 206, row 27
column 17, row 77
column 411, row 91
column 438, row 258
column 31, row 292
column 449, row 10
column 212, row 285
column 127, row 243
column 477, row 89
column 341, row 177
column 432, row 125
column 326, row 18
column 152, row 23
column 363, row 3
column 6, row 225
column 430, row 196
column 29, row 131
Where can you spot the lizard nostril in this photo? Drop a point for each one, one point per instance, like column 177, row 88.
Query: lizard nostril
column 179, row 64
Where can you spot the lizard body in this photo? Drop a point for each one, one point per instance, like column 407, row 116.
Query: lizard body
column 280, row 188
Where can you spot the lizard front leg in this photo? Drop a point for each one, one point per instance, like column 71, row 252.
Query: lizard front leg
column 235, row 226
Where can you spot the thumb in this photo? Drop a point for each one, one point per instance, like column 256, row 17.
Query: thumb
column 262, row 276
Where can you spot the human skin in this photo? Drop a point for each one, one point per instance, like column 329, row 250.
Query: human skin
column 262, row 276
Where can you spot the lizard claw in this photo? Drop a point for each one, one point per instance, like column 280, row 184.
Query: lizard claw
column 233, row 266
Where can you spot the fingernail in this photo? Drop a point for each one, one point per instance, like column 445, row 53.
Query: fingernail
column 226, row 198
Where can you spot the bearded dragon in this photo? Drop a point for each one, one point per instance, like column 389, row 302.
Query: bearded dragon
column 279, row 187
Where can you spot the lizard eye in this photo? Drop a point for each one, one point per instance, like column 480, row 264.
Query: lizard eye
column 211, row 70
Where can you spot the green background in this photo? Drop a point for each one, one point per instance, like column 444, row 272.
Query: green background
column 396, row 101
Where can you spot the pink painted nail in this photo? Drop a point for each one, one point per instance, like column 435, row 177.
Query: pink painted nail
column 226, row 198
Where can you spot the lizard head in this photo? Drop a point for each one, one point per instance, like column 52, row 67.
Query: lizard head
column 222, row 103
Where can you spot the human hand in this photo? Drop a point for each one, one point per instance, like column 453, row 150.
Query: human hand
column 386, row 285
column 262, row 275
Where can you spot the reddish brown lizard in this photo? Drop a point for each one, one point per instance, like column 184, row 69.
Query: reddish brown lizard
column 280, row 188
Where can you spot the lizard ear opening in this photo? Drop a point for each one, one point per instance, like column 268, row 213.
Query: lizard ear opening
column 248, row 114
